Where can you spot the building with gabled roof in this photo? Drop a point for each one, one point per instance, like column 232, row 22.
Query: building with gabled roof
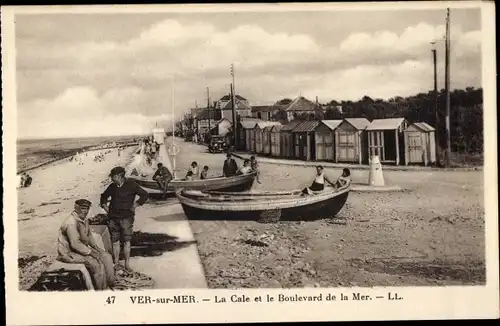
column 420, row 144
column 351, row 141
column 304, row 140
column 286, row 139
column 301, row 105
column 242, row 107
column 386, row 139
column 324, row 137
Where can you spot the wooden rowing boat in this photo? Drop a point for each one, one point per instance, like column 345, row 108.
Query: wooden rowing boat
column 262, row 206
column 234, row 184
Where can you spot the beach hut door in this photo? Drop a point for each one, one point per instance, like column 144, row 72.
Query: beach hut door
column 415, row 149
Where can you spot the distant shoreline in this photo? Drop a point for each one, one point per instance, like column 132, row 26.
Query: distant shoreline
column 71, row 153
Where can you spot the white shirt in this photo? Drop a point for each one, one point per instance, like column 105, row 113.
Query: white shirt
column 245, row 169
column 320, row 178
column 195, row 171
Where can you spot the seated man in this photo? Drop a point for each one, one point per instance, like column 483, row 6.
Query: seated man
column 318, row 183
column 162, row 176
column 246, row 168
column 76, row 245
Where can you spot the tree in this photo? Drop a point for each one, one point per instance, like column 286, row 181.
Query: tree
column 333, row 114
column 284, row 101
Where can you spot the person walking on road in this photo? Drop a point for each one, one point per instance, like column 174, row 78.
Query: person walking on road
column 121, row 211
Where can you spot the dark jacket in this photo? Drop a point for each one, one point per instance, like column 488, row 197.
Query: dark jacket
column 163, row 173
column 122, row 198
column 230, row 167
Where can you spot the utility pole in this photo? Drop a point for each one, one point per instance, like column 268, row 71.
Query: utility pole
column 447, row 88
column 208, row 108
column 235, row 139
column 436, row 105
column 232, row 75
column 233, row 100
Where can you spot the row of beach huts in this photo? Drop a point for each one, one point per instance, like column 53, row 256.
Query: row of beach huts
column 350, row 140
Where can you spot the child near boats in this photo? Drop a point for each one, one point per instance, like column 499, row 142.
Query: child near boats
column 255, row 166
column 204, row 173
column 318, row 183
column 245, row 168
column 189, row 176
column 194, row 169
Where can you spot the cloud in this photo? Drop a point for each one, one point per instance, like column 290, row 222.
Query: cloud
column 129, row 80
column 81, row 112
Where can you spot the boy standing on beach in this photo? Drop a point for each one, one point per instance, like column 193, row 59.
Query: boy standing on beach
column 121, row 211
column 255, row 167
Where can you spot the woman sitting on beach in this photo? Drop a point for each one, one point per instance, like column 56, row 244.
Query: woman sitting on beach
column 344, row 180
column 318, row 183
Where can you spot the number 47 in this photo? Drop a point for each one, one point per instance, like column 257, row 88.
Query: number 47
column 110, row 300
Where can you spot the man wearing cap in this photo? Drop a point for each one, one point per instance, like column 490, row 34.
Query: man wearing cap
column 121, row 211
column 76, row 245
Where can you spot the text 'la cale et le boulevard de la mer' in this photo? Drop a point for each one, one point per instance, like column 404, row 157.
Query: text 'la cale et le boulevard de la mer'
column 244, row 298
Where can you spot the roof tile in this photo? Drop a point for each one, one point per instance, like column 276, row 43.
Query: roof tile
column 306, row 126
column 385, row 124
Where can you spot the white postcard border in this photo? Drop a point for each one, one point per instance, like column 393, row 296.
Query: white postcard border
column 451, row 302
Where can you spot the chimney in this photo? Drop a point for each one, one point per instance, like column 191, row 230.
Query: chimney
column 316, row 100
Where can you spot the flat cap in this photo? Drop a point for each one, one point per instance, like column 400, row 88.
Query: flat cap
column 116, row 170
column 83, row 203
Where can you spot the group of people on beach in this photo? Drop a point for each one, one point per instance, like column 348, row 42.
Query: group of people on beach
column 319, row 181
column 151, row 150
column 99, row 157
column 25, row 180
column 230, row 168
column 76, row 244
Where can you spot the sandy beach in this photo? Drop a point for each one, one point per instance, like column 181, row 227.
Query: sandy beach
column 413, row 237
column 430, row 234
column 50, row 198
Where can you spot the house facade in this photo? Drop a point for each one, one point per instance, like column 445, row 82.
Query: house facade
column 301, row 106
column 242, row 107
column 264, row 112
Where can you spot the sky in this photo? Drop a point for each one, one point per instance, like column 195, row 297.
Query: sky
column 114, row 74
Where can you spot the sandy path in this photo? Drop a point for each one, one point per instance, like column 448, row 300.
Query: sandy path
column 173, row 262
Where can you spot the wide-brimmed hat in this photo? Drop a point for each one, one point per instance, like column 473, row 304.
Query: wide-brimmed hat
column 116, row 170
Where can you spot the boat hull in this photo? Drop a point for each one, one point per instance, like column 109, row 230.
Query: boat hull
column 231, row 184
column 264, row 210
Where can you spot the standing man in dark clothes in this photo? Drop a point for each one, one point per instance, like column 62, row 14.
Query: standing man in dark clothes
column 121, row 211
column 230, row 167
